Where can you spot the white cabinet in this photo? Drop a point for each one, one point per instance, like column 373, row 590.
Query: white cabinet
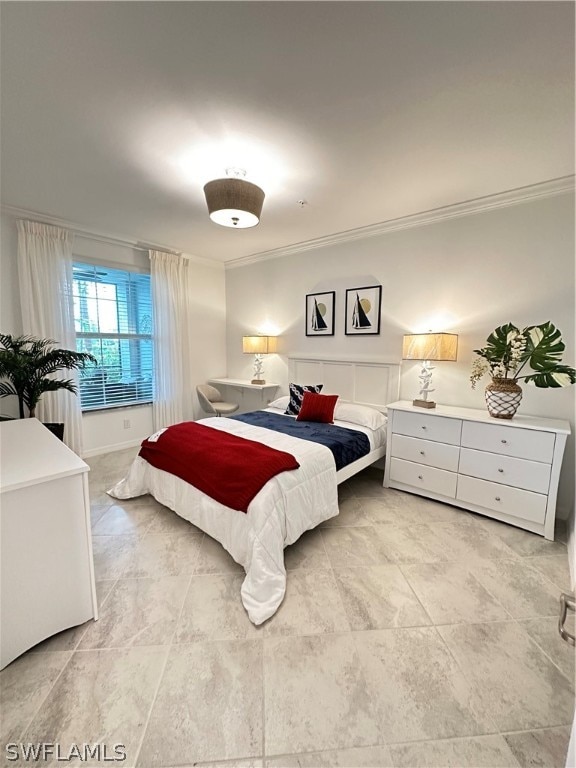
column 47, row 574
column 506, row 470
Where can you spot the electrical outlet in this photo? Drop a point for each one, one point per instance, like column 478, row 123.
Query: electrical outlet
column 126, row 423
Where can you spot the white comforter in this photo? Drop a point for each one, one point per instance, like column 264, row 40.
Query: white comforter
column 289, row 504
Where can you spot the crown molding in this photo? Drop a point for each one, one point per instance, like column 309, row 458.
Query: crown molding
column 551, row 188
column 516, row 196
column 102, row 237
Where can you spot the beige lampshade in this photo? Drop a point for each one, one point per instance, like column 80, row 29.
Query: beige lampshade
column 234, row 202
column 430, row 346
column 258, row 345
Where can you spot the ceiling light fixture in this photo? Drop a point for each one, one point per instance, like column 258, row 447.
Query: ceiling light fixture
column 233, row 201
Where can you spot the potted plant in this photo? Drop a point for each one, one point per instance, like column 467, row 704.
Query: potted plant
column 27, row 365
column 536, row 349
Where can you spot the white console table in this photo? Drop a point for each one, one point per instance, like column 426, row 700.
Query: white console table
column 251, row 396
column 505, row 469
column 47, row 573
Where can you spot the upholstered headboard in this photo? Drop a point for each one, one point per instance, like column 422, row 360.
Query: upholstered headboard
column 368, row 382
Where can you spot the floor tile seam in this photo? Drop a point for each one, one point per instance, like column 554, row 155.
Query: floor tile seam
column 471, row 682
column 307, row 752
column 232, row 761
column 511, row 620
column 280, row 635
column 86, row 628
column 550, row 659
column 180, row 612
column 340, row 598
column 101, row 509
column 515, row 763
column 148, row 532
column 411, row 588
column 566, row 587
column 479, row 579
column 473, row 686
column 45, row 699
column 489, row 592
column 100, row 606
column 391, row 744
column 271, row 637
column 538, row 729
column 563, row 556
column 115, row 648
column 401, row 744
column 331, row 570
column 517, row 555
column 487, row 735
column 151, row 707
column 545, row 576
column 225, row 573
column 445, row 561
column 146, row 578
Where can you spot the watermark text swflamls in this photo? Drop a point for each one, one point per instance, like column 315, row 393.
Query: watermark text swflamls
column 48, row 751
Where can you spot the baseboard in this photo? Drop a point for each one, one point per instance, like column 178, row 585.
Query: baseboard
column 111, row 448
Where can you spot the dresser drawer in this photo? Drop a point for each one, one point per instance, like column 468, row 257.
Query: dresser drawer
column 524, row 505
column 426, row 478
column 426, row 452
column 521, row 473
column 437, row 428
column 510, row 441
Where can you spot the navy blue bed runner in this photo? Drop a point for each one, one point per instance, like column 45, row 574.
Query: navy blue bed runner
column 346, row 445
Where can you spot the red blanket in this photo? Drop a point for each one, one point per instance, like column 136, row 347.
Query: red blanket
column 226, row 467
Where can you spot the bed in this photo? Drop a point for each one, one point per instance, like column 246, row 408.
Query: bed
column 293, row 501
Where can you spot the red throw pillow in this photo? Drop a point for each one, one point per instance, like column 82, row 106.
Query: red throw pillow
column 317, row 408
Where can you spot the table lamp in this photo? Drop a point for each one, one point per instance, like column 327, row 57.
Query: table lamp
column 428, row 347
column 258, row 346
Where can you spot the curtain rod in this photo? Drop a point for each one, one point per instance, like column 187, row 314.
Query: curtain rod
column 100, row 237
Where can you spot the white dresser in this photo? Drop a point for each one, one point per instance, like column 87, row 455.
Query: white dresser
column 506, row 469
column 47, row 574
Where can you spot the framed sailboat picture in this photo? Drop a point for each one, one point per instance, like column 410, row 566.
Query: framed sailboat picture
column 363, row 310
column 320, row 313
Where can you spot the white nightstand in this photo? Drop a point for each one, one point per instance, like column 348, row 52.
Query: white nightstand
column 508, row 470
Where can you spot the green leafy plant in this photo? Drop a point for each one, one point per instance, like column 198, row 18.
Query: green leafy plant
column 536, row 348
column 27, row 365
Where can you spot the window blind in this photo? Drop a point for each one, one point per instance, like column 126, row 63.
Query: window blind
column 113, row 320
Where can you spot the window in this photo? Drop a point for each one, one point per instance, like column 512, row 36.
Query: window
column 113, row 321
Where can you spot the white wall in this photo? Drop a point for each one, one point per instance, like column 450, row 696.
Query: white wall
column 466, row 275
column 117, row 428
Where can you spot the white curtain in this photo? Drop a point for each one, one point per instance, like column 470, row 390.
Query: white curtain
column 45, row 274
column 169, row 275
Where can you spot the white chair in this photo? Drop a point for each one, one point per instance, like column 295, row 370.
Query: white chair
column 211, row 401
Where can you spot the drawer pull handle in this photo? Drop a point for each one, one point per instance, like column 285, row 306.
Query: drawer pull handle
column 423, row 427
column 420, row 477
column 504, row 441
column 500, row 470
column 421, row 453
column 497, row 498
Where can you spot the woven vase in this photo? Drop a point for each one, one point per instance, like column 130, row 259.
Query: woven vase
column 503, row 397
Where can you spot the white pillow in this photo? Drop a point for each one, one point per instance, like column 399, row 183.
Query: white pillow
column 359, row 414
column 281, row 403
column 355, row 414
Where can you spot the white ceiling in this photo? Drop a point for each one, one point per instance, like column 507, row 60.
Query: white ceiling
column 114, row 115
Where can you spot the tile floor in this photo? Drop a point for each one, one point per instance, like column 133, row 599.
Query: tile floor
column 412, row 634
